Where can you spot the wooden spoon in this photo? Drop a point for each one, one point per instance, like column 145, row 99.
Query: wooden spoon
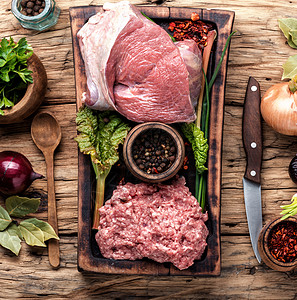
column 46, row 134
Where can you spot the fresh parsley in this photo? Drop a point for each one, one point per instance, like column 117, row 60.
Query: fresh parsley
column 14, row 74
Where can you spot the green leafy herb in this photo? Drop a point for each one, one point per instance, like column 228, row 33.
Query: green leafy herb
column 289, row 210
column 100, row 134
column 289, row 27
column 32, row 234
column 199, row 145
column 14, row 74
column 47, row 229
column 5, row 219
column 290, row 67
column 10, row 239
column 21, row 206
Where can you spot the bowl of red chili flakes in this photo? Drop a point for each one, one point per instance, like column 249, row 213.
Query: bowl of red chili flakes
column 277, row 244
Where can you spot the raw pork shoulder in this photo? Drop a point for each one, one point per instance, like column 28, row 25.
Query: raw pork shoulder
column 133, row 67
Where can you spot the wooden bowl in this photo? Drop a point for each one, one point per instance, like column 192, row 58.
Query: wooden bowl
column 264, row 251
column 133, row 167
column 33, row 97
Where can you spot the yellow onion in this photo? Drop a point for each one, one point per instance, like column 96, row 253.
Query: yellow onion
column 279, row 107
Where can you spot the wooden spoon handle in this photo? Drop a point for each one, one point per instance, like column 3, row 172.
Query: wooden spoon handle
column 53, row 244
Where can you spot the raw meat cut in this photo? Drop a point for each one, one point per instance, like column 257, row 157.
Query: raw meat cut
column 132, row 66
column 162, row 222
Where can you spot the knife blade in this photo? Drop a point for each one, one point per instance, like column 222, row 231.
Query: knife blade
column 252, row 142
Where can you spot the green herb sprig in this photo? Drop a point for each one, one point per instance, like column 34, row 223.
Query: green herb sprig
column 33, row 231
column 198, row 137
column 14, row 74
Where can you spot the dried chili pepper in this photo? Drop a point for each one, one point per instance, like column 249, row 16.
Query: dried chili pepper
column 282, row 241
column 194, row 29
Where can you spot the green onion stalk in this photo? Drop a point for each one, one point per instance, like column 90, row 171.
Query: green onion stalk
column 197, row 134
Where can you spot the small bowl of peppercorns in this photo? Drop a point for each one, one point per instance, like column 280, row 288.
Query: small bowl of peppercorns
column 277, row 244
column 36, row 14
column 154, row 152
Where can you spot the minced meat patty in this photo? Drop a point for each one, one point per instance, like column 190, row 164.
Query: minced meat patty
column 162, row 222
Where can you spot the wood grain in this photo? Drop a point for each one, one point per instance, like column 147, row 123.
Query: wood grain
column 257, row 49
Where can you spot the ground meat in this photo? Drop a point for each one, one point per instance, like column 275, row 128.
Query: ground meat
column 161, row 222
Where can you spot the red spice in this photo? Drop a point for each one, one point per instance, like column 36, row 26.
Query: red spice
column 191, row 29
column 185, row 163
column 282, row 241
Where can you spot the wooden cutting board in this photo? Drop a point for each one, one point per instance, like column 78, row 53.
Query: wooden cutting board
column 89, row 257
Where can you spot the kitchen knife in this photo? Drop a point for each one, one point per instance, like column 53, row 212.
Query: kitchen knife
column 252, row 142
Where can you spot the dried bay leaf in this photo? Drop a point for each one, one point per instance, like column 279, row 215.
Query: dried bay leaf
column 32, row 234
column 293, row 35
column 290, row 67
column 291, row 43
column 5, row 219
column 289, row 28
column 10, row 239
column 287, row 24
column 46, row 228
column 21, row 206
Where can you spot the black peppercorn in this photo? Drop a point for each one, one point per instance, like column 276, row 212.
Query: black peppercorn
column 154, row 151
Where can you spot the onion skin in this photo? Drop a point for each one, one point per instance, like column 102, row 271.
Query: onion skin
column 279, row 108
column 16, row 173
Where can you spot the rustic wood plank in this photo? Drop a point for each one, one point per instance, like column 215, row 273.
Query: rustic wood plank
column 241, row 278
column 258, row 49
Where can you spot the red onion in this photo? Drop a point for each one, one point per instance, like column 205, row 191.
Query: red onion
column 16, row 173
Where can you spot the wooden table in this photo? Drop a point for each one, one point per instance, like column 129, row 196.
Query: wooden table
column 258, row 49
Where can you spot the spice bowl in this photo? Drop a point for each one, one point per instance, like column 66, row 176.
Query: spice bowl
column 33, row 96
column 277, row 244
column 154, row 152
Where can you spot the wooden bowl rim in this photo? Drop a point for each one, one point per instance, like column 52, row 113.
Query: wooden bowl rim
column 23, row 104
column 129, row 160
column 266, row 231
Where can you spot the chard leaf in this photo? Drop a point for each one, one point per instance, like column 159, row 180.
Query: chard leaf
column 32, row 235
column 290, row 67
column 99, row 136
column 10, row 239
column 47, row 229
column 198, row 143
column 21, row 206
column 5, row 219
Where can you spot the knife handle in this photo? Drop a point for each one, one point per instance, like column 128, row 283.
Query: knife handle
column 251, row 131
